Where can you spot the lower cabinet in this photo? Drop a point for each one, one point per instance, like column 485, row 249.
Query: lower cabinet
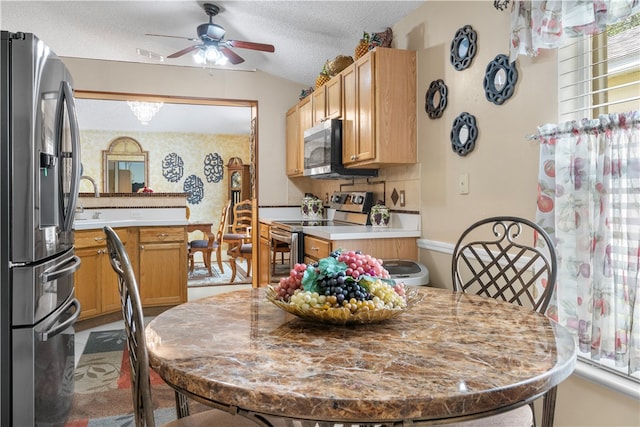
column 163, row 265
column 264, row 255
column 95, row 281
column 155, row 254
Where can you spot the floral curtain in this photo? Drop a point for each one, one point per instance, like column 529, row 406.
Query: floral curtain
column 589, row 202
column 541, row 24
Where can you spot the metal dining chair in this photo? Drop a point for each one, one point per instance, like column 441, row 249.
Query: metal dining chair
column 496, row 257
column 139, row 358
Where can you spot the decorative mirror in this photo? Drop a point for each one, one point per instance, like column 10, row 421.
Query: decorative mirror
column 500, row 79
column 464, row 133
column 436, row 99
column 125, row 166
column 463, row 48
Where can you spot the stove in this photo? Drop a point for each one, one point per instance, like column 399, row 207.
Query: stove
column 351, row 208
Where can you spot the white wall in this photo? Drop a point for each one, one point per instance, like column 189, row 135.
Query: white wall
column 273, row 94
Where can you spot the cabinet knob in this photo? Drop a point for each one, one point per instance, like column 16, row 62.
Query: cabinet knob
column 353, row 157
column 313, row 248
column 162, row 235
column 141, row 247
column 99, row 239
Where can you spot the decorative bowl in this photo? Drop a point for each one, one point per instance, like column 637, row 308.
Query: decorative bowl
column 342, row 316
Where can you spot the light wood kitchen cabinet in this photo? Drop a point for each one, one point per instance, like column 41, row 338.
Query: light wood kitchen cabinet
column 96, row 284
column 294, row 147
column 163, row 265
column 327, row 100
column 379, row 109
column 316, row 248
column 264, row 255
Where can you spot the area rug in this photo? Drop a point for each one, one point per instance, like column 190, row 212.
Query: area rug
column 103, row 396
column 201, row 277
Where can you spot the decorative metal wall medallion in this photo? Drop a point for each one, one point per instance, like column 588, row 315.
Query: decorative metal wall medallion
column 172, row 167
column 500, row 79
column 464, row 133
column 213, row 167
column 194, row 186
column 436, row 99
column 463, row 48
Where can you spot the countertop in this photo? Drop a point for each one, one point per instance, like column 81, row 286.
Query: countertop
column 133, row 217
column 91, row 224
column 451, row 354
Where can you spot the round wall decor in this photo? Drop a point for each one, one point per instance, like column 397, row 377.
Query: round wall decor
column 436, row 99
column 464, row 133
column 463, row 48
column 500, row 79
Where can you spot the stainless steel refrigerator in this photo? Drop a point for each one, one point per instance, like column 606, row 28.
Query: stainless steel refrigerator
column 39, row 177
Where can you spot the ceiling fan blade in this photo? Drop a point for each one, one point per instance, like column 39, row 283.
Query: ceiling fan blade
column 251, row 45
column 185, row 51
column 173, row 37
column 233, row 57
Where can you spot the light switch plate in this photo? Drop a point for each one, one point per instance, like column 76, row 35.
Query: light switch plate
column 463, row 183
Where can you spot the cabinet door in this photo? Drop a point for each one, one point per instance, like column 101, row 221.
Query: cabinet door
column 294, row 144
column 87, row 281
column 333, row 98
column 349, row 115
column 365, row 88
column 318, row 105
column 161, row 266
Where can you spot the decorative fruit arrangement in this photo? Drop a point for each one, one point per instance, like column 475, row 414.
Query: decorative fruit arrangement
column 344, row 280
column 323, row 77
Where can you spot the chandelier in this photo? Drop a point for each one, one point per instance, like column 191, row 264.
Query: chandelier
column 144, row 111
column 209, row 55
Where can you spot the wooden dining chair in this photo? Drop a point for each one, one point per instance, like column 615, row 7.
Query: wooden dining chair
column 139, row 358
column 279, row 248
column 239, row 241
column 212, row 244
column 496, row 257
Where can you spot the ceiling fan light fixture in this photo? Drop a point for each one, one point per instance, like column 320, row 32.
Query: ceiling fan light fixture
column 144, row 111
column 210, row 55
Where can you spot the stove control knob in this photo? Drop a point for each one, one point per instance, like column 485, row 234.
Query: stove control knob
column 357, row 199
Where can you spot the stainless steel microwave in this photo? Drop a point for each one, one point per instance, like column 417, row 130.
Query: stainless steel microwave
column 323, row 153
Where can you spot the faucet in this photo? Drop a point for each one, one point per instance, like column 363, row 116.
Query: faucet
column 93, row 182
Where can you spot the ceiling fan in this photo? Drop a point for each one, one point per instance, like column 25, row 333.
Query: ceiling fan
column 211, row 38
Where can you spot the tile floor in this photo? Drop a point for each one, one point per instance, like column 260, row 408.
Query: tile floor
column 193, row 294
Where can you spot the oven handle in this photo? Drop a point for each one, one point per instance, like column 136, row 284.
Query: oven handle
column 281, row 236
column 51, row 330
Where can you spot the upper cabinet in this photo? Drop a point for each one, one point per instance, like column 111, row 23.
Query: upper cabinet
column 376, row 99
column 294, row 145
column 327, row 100
column 379, row 109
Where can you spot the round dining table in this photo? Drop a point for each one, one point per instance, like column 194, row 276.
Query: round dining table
column 450, row 356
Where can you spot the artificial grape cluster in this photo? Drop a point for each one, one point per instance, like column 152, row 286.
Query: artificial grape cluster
column 289, row 284
column 359, row 264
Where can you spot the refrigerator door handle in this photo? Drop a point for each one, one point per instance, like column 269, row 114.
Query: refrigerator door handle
column 68, row 267
column 51, row 330
column 68, row 100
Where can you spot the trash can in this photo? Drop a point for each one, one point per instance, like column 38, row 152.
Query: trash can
column 407, row 271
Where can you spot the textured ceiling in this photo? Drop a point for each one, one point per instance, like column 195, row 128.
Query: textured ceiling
column 305, row 33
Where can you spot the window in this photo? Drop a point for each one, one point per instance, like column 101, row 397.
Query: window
column 600, row 75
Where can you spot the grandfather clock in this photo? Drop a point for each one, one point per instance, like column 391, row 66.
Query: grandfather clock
column 239, row 183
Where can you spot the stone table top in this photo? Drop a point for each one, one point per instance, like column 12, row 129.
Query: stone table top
column 449, row 355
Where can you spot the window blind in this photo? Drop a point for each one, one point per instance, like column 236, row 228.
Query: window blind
column 600, row 74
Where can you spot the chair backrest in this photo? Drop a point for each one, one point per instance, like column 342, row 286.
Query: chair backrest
column 490, row 260
column 242, row 217
column 134, row 327
column 222, row 225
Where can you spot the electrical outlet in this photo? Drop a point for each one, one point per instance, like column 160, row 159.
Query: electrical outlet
column 402, row 201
